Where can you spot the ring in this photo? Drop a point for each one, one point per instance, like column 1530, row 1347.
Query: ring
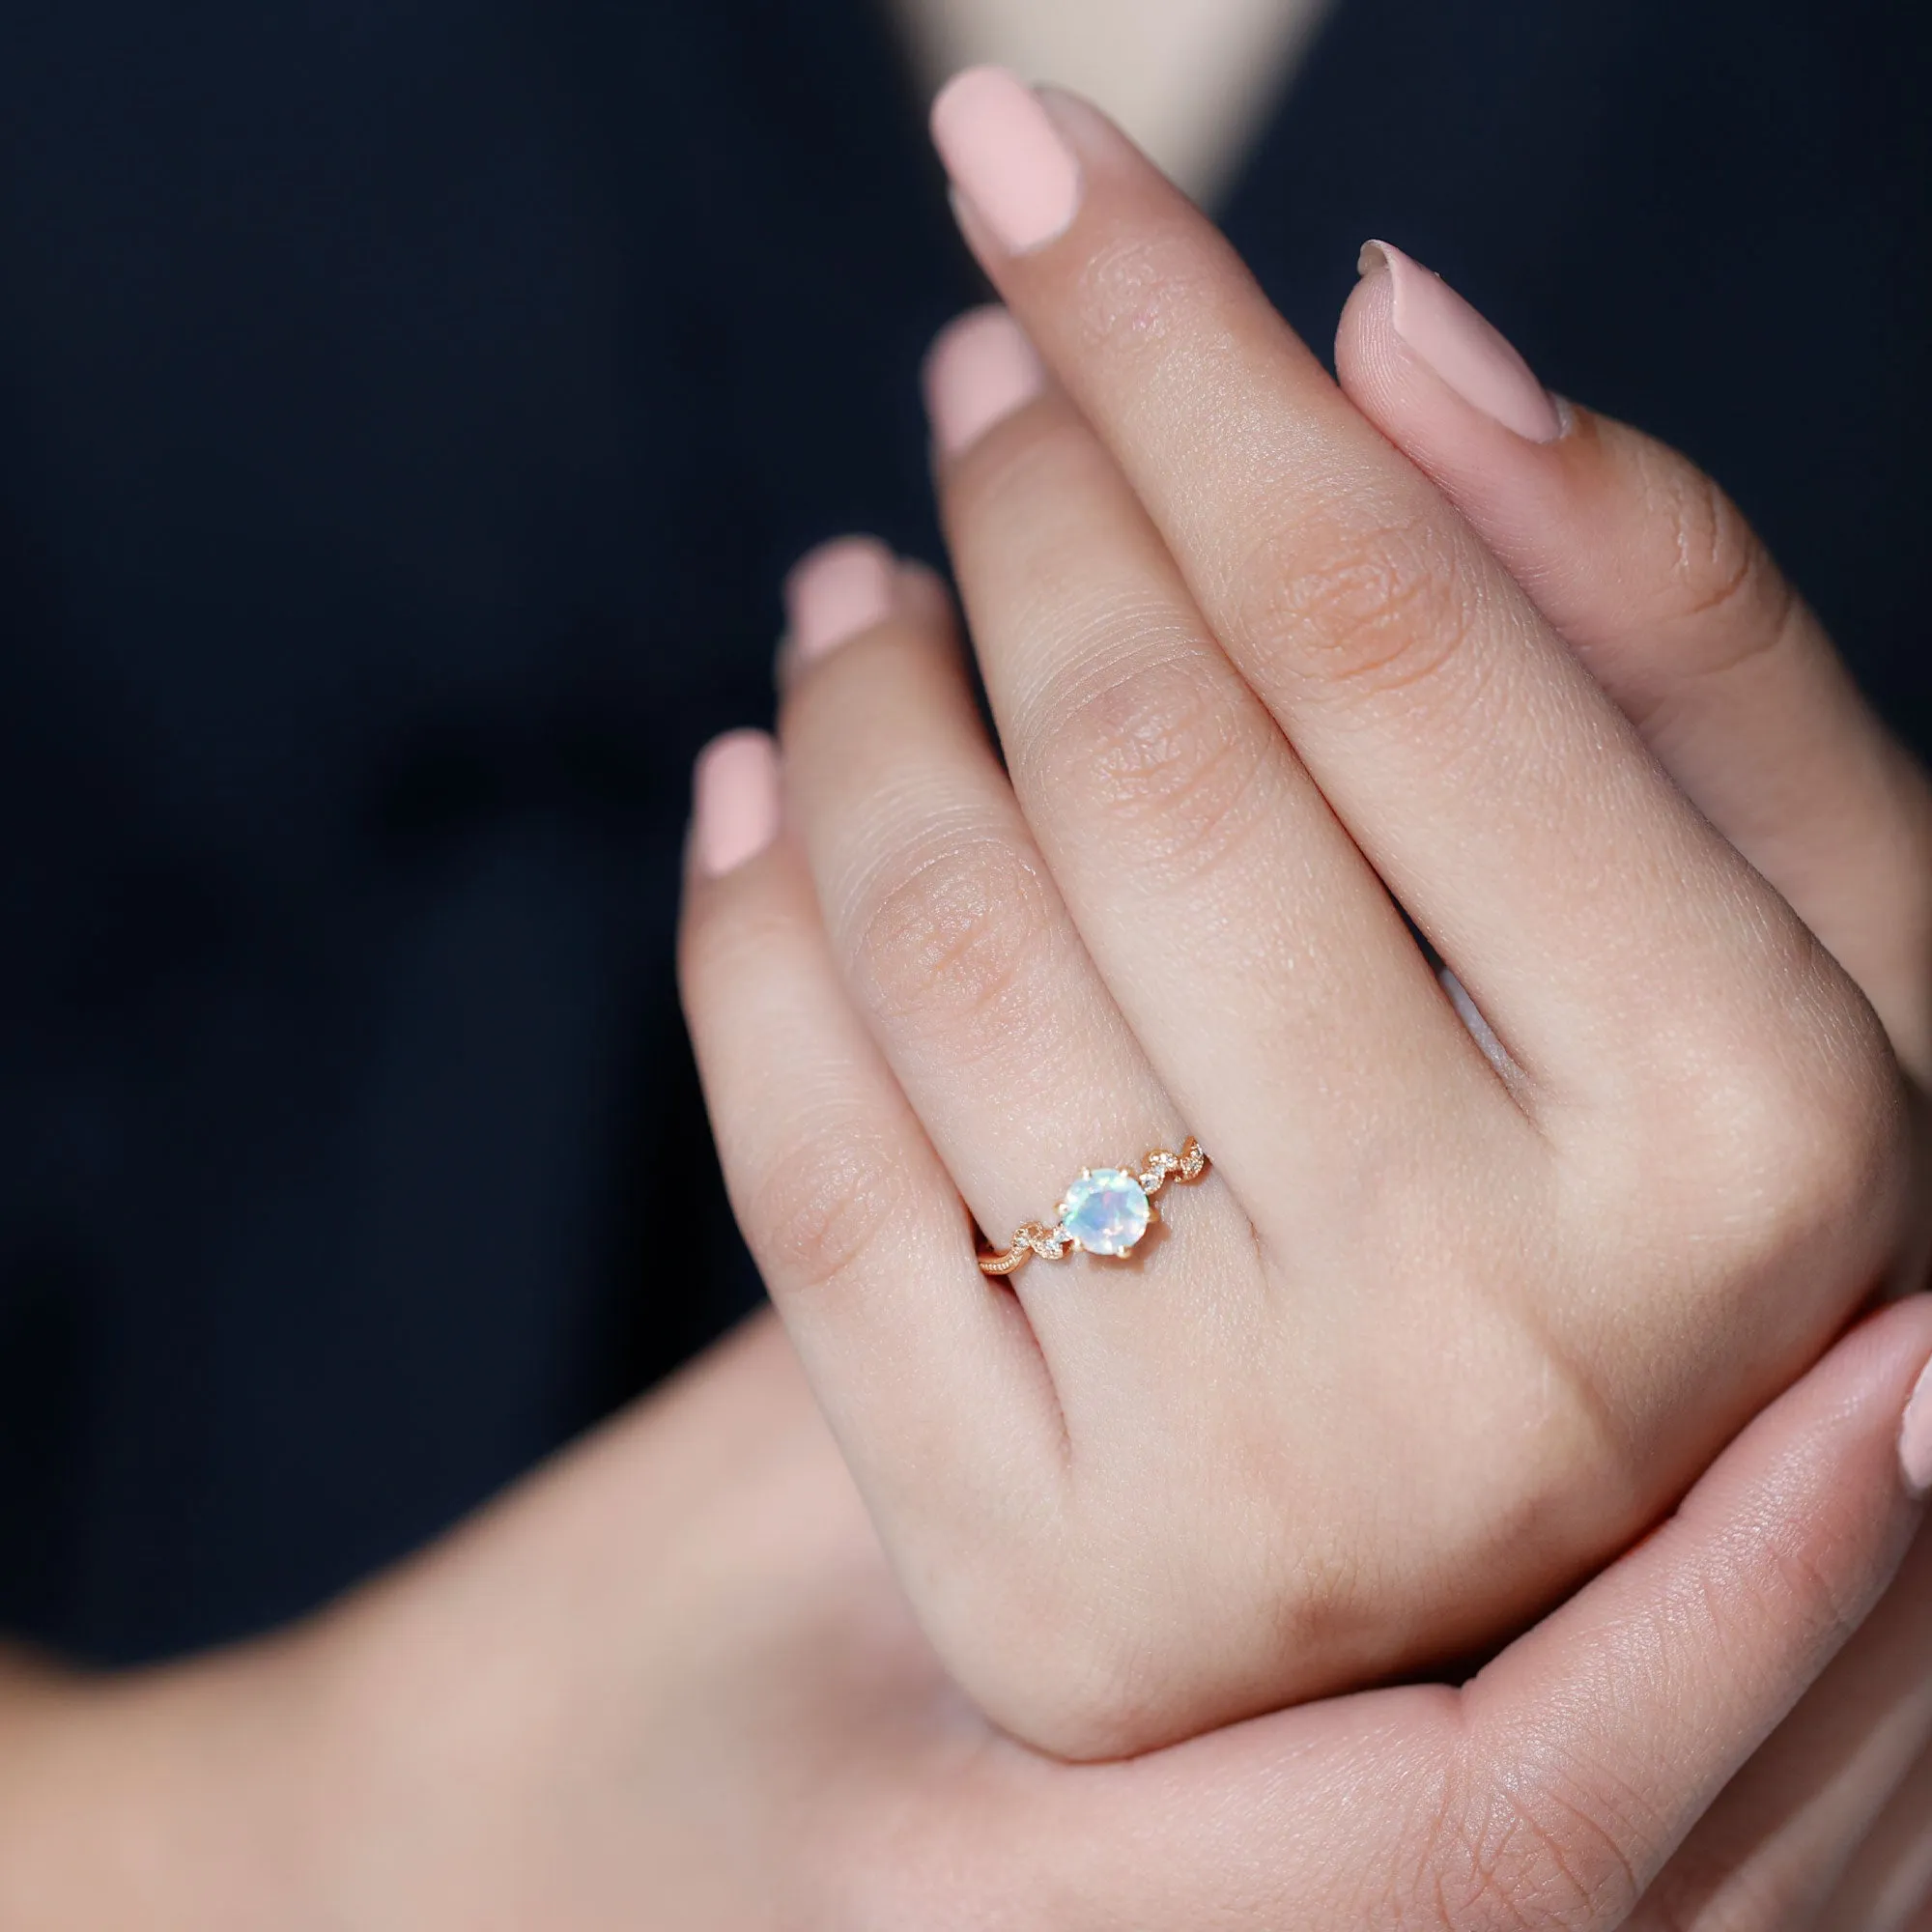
column 1105, row 1212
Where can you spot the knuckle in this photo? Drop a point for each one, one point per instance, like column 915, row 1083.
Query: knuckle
column 1383, row 611
column 1163, row 760
column 952, row 934
column 1808, row 1589
column 818, row 1211
column 1717, row 582
column 1091, row 1687
column 1486, row 1855
column 1088, row 1698
column 1808, row 1141
column 1099, row 1673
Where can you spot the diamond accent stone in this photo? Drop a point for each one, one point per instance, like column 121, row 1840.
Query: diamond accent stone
column 1105, row 1212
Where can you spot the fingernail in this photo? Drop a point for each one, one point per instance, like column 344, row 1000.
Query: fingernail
column 834, row 592
column 981, row 370
column 1914, row 1437
column 734, row 800
column 1474, row 359
column 1005, row 157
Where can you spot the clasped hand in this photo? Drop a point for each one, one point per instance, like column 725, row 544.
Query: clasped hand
column 1489, row 1266
column 1486, row 1270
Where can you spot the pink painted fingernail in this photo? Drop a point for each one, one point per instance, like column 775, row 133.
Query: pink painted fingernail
column 1005, row 157
column 1914, row 1437
column 734, row 800
column 836, row 592
column 1474, row 359
column 980, row 370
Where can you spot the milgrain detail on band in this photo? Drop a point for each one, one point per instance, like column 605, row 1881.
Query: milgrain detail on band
column 1105, row 1213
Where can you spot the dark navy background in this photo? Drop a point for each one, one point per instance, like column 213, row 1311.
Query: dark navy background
column 406, row 407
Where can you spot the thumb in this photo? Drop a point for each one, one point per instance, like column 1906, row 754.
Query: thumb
column 1555, row 1786
column 1621, row 1717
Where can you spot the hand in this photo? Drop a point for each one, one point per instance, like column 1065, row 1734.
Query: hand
column 669, row 1682
column 1446, row 1324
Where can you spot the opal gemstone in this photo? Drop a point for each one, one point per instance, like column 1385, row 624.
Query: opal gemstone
column 1105, row 1212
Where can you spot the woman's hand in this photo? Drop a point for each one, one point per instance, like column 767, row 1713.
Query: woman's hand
column 669, row 1682
column 1654, row 579
column 1460, row 1308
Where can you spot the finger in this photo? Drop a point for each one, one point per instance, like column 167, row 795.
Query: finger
column 1565, row 1775
column 1777, row 1843
column 1506, row 802
column 927, row 1374
column 1653, row 576
column 1888, row 1886
column 955, row 948
column 1715, row 1627
column 1255, row 955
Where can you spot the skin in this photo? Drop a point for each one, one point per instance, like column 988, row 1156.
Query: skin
column 1192, row 82
column 1443, row 1329
column 671, row 1682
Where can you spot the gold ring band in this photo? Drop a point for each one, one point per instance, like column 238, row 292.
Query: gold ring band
column 1105, row 1212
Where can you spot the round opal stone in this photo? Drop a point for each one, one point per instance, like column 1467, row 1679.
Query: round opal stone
column 1105, row 1212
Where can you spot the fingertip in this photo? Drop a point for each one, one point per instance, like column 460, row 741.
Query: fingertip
column 1004, row 154
column 1366, row 362
column 837, row 590
column 1456, row 360
column 980, row 370
column 922, row 596
column 734, row 800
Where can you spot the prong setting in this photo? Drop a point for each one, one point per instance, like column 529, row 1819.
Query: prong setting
column 1105, row 1213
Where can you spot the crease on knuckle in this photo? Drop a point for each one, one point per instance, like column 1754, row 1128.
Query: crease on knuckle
column 1811, row 1590
column 1545, row 1850
column 1722, row 598
column 1161, row 757
column 949, row 940
column 1383, row 611
column 817, row 1212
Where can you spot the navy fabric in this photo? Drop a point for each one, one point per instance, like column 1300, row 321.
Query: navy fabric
column 405, row 412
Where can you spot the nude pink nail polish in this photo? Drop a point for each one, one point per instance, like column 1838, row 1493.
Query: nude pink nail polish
column 1005, row 157
column 836, row 592
column 980, row 371
column 734, row 800
column 1914, row 1437
column 1474, row 359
